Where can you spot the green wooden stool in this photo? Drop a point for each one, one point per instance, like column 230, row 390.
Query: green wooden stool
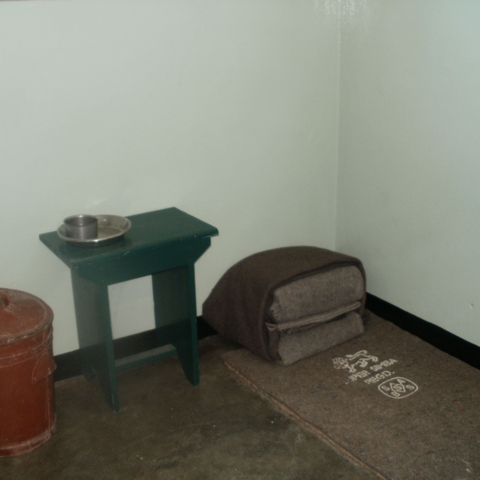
column 164, row 244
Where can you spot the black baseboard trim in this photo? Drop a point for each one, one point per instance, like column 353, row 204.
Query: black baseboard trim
column 70, row 364
column 430, row 333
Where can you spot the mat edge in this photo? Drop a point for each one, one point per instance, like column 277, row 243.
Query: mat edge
column 304, row 423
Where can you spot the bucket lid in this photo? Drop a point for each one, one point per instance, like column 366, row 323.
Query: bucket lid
column 21, row 315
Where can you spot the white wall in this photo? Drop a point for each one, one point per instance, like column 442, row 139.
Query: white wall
column 409, row 166
column 226, row 109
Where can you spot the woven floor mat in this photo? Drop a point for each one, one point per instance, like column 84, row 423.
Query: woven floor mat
column 387, row 400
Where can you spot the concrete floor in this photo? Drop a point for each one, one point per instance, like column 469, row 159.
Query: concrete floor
column 167, row 429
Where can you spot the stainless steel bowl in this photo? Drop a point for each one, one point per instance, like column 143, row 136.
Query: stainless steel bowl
column 110, row 229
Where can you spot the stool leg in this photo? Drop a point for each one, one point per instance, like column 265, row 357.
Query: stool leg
column 94, row 329
column 176, row 316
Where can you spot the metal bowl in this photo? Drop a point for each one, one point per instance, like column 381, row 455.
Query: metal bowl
column 110, row 229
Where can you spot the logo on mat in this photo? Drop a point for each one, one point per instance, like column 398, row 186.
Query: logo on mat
column 351, row 362
column 361, row 366
column 398, row 387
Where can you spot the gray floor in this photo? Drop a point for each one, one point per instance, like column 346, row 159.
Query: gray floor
column 167, row 429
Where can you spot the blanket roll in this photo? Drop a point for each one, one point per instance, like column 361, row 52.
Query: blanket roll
column 238, row 307
column 317, row 294
column 304, row 343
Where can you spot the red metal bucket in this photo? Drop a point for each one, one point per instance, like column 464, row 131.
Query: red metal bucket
column 27, row 410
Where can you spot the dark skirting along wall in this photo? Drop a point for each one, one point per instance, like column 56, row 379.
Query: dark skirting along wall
column 436, row 336
column 69, row 364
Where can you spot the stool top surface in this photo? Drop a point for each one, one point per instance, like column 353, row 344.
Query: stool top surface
column 152, row 229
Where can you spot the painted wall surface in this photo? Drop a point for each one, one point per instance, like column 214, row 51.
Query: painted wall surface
column 409, row 155
column 224, row 109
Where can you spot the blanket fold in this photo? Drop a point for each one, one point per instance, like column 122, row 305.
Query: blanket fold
column 304, row 323
column 238, row 307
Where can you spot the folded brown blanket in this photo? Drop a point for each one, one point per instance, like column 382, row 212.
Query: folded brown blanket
column 237, row 308
column 303, row 343
column 320, row 293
